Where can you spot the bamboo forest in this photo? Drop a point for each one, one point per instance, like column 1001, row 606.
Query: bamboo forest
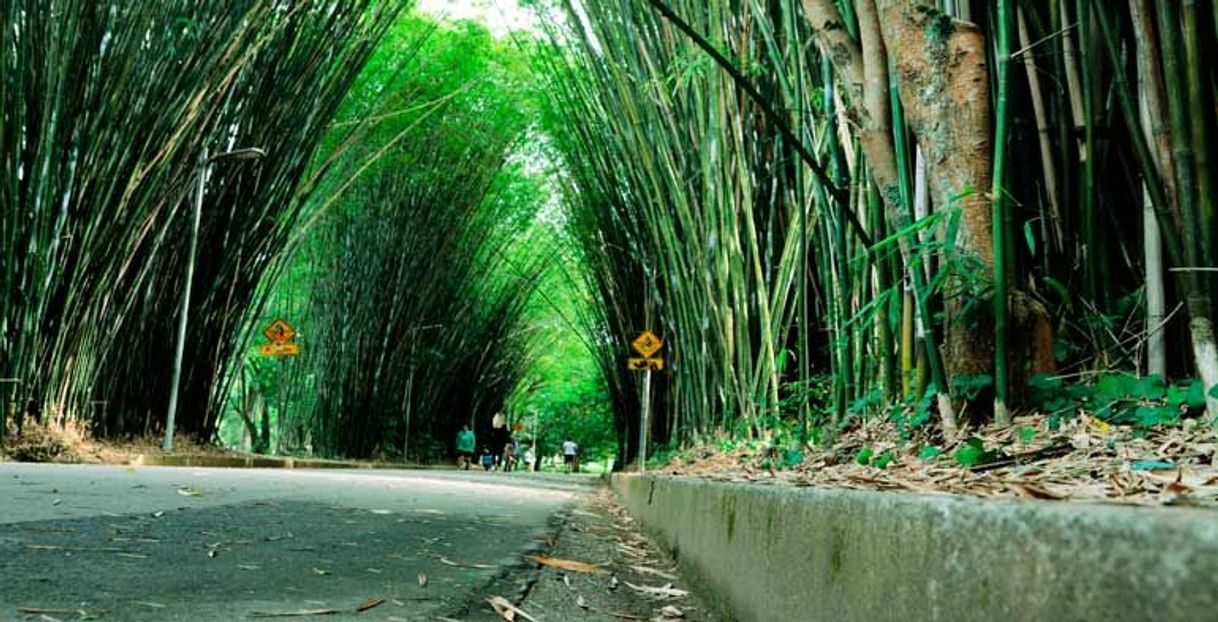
column 924, row 218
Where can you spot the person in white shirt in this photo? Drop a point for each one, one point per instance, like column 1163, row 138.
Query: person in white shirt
column 569, row 451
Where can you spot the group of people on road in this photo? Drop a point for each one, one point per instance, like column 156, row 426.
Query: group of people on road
column 502, row 454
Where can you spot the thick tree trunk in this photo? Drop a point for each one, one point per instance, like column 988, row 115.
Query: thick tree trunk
column 862, row 70
column 941, row 72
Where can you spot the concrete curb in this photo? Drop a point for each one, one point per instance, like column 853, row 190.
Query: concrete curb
column 264, row 462
column 805, row 554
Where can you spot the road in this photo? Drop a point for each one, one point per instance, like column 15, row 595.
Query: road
column 153, row 543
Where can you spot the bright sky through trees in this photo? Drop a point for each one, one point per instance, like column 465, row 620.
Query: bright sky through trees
column 500, row 16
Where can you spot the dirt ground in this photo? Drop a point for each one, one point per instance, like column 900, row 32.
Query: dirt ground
column 72, row 445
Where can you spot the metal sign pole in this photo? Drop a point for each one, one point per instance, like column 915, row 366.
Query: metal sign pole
column 643, row 425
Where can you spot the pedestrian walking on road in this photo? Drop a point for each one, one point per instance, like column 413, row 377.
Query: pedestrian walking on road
column 570, row 450
column 509, row 456
column 466, row 446
column 500, row 437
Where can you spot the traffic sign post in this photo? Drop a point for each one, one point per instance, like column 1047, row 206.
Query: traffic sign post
column 280, row 331
column 647, row 344
column 281, row 334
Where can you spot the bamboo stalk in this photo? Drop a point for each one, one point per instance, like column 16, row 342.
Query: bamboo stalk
column 1048, row 167
column 1002, row 115
column 1200, row 107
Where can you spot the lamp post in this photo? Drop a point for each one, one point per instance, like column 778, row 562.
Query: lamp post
column 205, row 162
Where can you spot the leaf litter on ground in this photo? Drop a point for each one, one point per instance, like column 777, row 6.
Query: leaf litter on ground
column 1083, row 459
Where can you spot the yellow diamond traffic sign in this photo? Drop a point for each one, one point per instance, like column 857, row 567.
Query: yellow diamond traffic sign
column 647, row 343
column 279, row 332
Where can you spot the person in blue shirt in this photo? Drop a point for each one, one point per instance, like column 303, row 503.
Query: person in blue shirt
column 466, row 446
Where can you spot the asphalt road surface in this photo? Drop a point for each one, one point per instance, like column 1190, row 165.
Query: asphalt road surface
column 149, row 543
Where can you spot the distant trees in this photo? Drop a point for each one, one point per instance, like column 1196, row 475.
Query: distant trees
column 106, row 108
column 414, row 272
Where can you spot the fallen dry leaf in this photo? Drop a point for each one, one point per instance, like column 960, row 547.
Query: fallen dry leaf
column 369, row 604
column 1036, row 492
column 507, row 610
column 653, row 571
column 449, row 562
column 623, row 616
column 565, row 564
column 669, row 611
column 662, row 591
column 293, row 614
column 84, row 613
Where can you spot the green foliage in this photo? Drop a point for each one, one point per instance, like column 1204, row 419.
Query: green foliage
column 1027, row 434
column 969, row 387
column 1118, row 397
column 886, row 458
column 973, row 453
column 815, row 394
column 791, row 458
column 871, row 402
column 914, row 412
column 864, row 456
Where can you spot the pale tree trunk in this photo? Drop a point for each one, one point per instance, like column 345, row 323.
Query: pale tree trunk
column 1152, row 112
column 1156, row 298
column 1205, row 352
column 1152, row 251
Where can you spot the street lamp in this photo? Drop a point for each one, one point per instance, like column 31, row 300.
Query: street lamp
column 205, row 162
